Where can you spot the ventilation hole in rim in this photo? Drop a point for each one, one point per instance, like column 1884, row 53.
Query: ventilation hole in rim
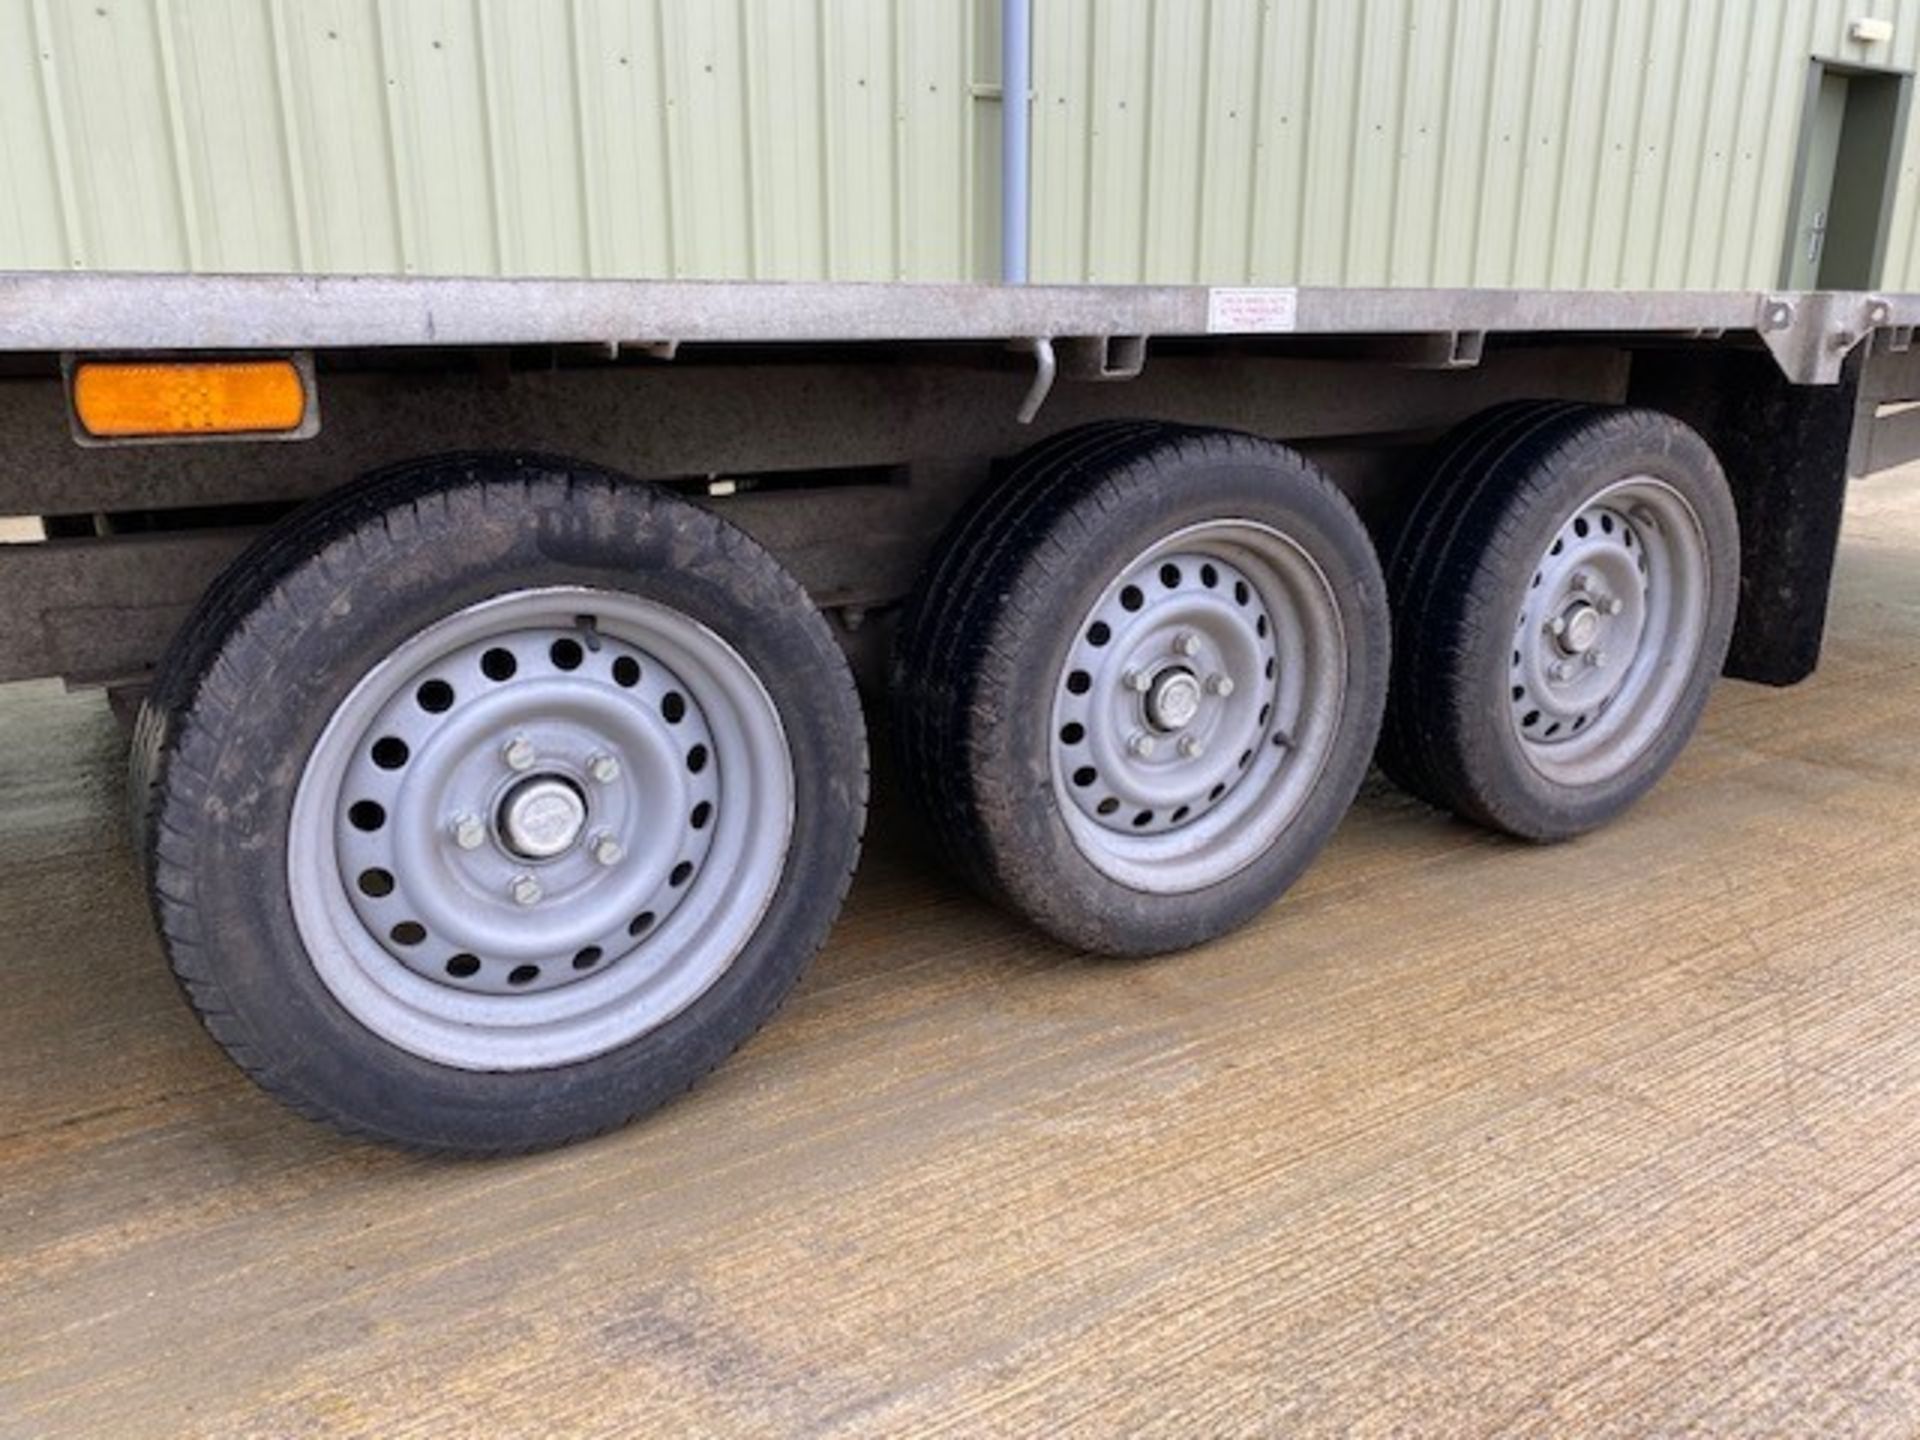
column 367, row 814
column 1106, row 806
column 1519, row 693
column 1099, row 633
column 681, row 874
column 1170, row 576
column 1537, row 578
column 1246, row 758
column 1131, row 598
column 1085, row 776
column 1143, row 819
column 523, row 974
column 1553, row 730
column 673, row 705
column 498, row 664
column 1241, row 594
column 1580, row 723
column 1559, row 546
column 1581, row 527
column 1270, row 667
column 1627, row 532
column 702, row 813
column 697, row 759
column 1606, row 523
column 640, row 924
column 1217, row 791
column 1516, row 659
column 1072, row 733
column 1260, row 627
column 434, row 696
column 1180, row 814
column 566, row 654
column 587, row 957
column 626, row 671
column 390, row 752
column 1281, row 740
column 1530, row 719
column 407, row 932
column 1266, row 713
column 1209, row 576
column 1079, row 682
column 376, row 882
column 463, row 966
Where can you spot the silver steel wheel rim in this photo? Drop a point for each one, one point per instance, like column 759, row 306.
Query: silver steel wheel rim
column 505, row 864
column 1609, row 632
column 1197, row 706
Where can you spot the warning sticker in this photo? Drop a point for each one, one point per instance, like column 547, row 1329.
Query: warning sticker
column 1261, row 311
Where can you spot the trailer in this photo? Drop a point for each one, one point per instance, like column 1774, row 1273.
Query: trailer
column 510, row 463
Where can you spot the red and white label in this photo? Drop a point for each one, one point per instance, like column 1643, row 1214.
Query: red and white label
column 1259, row 311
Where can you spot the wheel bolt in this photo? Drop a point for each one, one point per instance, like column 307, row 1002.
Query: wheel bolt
column 1186, row 643
column 604, row 769
column 1141, row 745
column 1556, row 627
column 1191, row 748
column 518, row 753
column 1137, row 681
column 1597, row 659
column 608, row 851
column 525, row 890
column 1561, row 672
column 1581, row 582
column 1613, row 605
column 468, row 832
column 1221, row 685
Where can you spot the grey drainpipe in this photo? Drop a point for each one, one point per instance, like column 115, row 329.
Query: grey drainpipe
column 1016, row 83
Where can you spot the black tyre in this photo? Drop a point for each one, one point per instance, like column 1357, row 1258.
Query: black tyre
column 493, row 801
column 1140, row 684
column 1563, row 597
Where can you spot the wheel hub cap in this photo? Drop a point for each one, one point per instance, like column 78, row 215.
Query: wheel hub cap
column 1581, row 629
column 1174, row 700
column 542, row 817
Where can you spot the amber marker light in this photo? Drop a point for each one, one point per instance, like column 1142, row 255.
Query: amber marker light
column 125, row 399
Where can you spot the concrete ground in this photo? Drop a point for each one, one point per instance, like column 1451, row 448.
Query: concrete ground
column 1463, row 1136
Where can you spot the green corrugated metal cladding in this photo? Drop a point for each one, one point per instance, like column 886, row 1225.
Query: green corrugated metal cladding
column 1576, row 143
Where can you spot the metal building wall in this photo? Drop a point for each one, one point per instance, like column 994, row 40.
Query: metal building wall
column 1577, row 143
column 697, row 138
column 1570, row 143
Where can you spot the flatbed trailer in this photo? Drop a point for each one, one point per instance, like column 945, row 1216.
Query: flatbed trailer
column 490, row 642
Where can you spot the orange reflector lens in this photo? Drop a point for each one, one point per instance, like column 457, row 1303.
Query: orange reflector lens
column 241, row 397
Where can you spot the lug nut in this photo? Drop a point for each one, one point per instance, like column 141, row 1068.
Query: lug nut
column 1191, row 748
column 1221, row 685
column 525, row 890
column 1597, row 659
column 608, row 851
column 1560, row 672
column 518, row 753
column 1556, row 627
column 468, row 832
column 1613, row 605
column 1137, row 681
column 604, row 769
column 1141, row 745
column 1186, row 643
column 1581, row 582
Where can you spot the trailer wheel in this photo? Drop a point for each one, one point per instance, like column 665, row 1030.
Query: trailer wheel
column 494, row 801
column 1142, row 682
column 1563, row 596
